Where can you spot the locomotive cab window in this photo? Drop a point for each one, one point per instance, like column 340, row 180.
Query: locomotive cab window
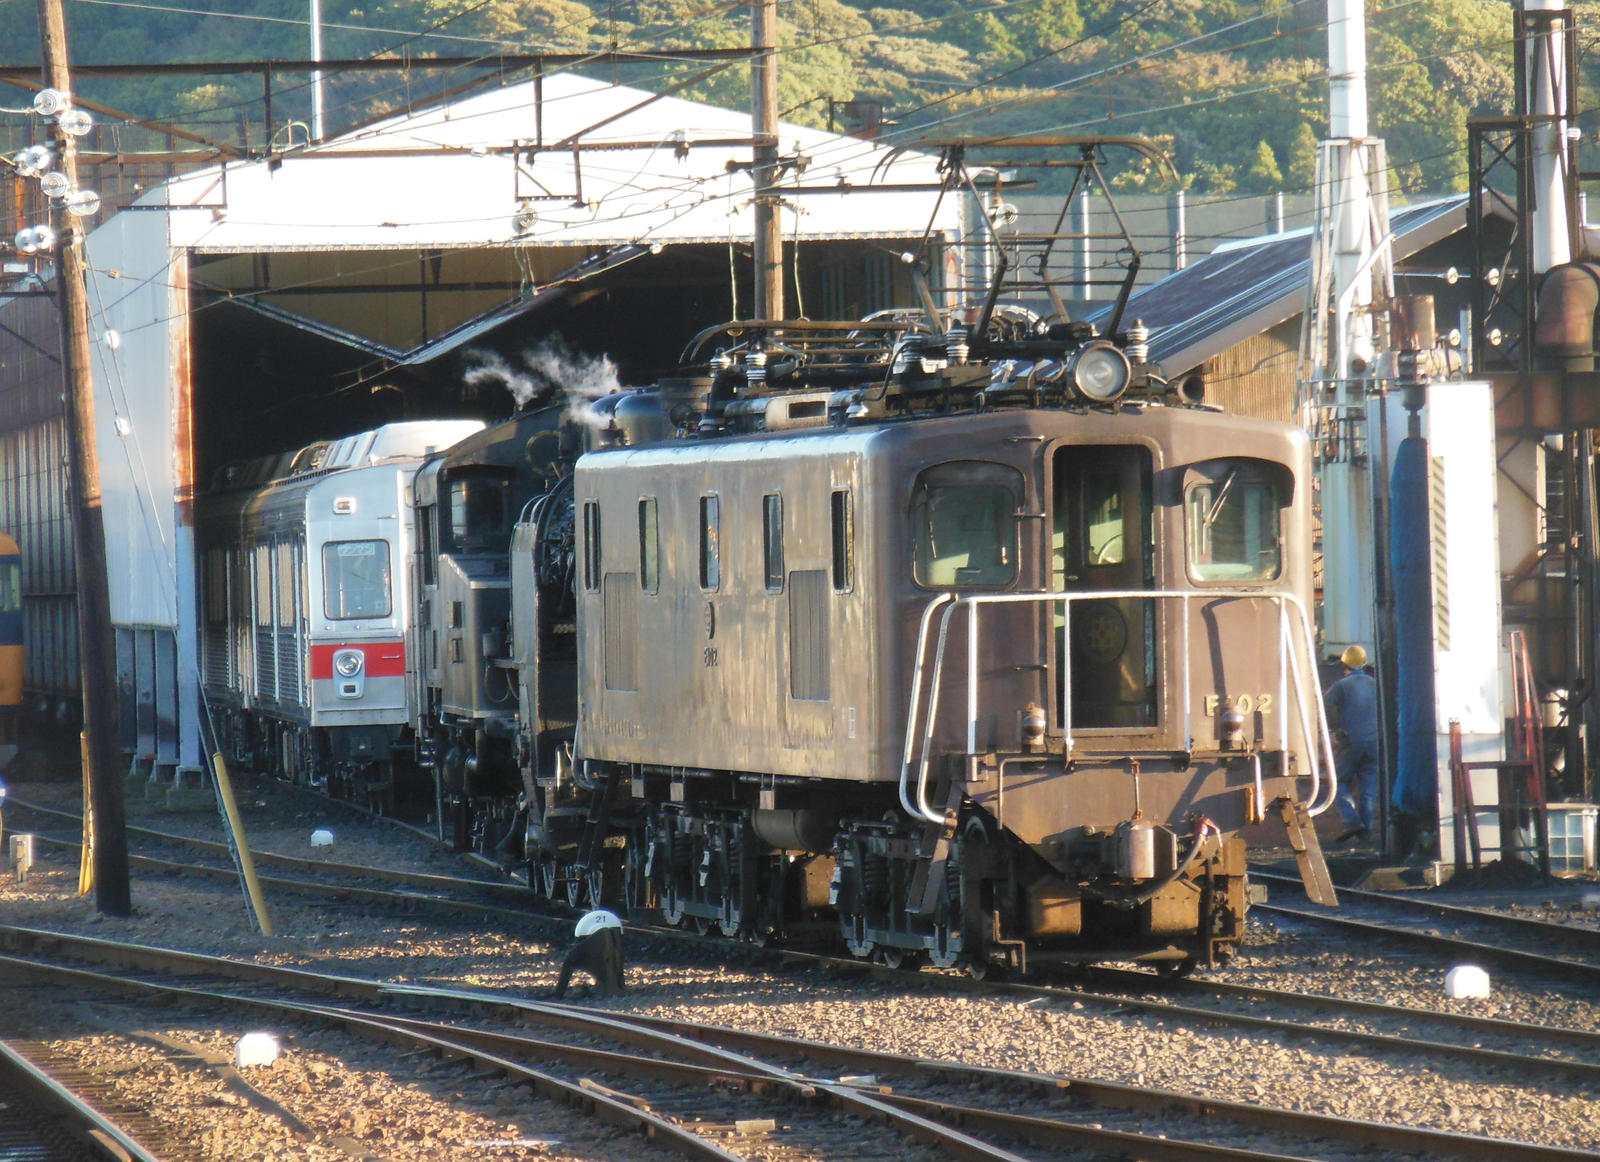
column 480, row 518
column 1232, row 513
column 355, row 579
column 964, row 525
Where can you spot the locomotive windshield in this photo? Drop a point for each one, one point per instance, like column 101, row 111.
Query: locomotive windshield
column 355, row 579
column 1232, row 512
column 964, row 525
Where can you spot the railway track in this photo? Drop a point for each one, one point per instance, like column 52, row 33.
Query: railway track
column 1569, row 953
column 1362, row 1024
column 51, row 1112
column 701, row 1089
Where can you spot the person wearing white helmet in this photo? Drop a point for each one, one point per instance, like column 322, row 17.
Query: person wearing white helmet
column 596, row 951
column 1352, row 704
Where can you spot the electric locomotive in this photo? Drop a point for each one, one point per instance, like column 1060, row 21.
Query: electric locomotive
column 961, row 630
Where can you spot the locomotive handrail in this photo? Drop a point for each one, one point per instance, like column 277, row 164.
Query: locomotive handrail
column 1321, row 750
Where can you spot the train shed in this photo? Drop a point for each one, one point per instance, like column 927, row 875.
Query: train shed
column 562, row 233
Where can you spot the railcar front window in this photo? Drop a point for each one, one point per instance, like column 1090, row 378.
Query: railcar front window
column 10, row 587
column 1233, row 515
column 964, row 526
column 355, row 579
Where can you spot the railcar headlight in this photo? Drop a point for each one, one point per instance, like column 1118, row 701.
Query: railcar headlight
column 348, row 663
column 1101, row 372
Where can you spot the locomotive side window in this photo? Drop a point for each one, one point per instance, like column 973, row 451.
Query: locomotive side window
column 478, row 513
column 710, row 547
column 964, row 525
column 10, row 587
column 842, row 522
column 1232, row 510
column 649, row 546
column 772, row 539
column 591, row 545
column 355, row 579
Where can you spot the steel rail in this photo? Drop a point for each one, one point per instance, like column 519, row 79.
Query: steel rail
column 298, row 863
column 98, row 1134
column 609, row 1108
column 1583, row 1070
column 1473, row 949
column 485, row 1050
column 1406, row 1139
column 1101, row 1093
column 1585, row 938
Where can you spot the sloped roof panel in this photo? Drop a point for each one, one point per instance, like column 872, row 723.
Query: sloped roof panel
column 1243, row 288
column 447, row 177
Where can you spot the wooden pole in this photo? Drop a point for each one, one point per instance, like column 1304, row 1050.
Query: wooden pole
column 96, row 647
column 764, row 115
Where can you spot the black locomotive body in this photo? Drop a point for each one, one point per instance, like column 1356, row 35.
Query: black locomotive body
column 959, row 631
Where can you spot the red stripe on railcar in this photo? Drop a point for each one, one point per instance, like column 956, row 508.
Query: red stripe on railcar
column 384, row 659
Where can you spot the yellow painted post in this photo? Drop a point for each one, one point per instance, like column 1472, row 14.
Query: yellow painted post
column 86, row 857
column 247, row 863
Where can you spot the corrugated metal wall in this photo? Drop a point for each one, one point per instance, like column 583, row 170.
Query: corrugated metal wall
column 34, row 503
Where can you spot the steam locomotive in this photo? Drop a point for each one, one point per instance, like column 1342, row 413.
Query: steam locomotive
column 960, row 631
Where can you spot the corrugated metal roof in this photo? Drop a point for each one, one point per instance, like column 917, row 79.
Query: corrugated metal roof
column 446, row 177
column 1243, row 288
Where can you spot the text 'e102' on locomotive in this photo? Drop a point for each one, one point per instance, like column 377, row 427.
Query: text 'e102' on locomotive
column 957, row 629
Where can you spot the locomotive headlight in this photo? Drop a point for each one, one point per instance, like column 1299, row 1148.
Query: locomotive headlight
column 1101, row 372
column 348, row 663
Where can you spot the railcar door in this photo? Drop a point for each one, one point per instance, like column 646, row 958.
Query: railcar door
column 1101, row 541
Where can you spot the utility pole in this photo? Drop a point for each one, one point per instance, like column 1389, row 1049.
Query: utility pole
column 764, row 114
column 96, row 647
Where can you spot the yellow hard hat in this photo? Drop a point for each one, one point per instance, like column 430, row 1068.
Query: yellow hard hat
column 1355, row 657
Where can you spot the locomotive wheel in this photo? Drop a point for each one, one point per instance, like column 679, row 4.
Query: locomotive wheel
column 1174, row 970
column 942, row 955
column 577, row 887
column 549, row 877
column 862, row 948
column 909, row 959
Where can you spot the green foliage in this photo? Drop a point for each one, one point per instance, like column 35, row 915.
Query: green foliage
column 1237, row 87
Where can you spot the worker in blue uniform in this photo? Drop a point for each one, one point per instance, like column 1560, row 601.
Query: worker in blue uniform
column 1352, row 704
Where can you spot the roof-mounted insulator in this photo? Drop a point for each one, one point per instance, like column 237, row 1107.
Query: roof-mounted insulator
column 1138, row 345
column 755, row 369
column 956, row 345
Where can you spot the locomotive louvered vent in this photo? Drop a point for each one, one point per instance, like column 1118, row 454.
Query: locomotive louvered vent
column 288, row 666
column 216, row 655
column 808, row 635
column 621, row 630
column 266, row 664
